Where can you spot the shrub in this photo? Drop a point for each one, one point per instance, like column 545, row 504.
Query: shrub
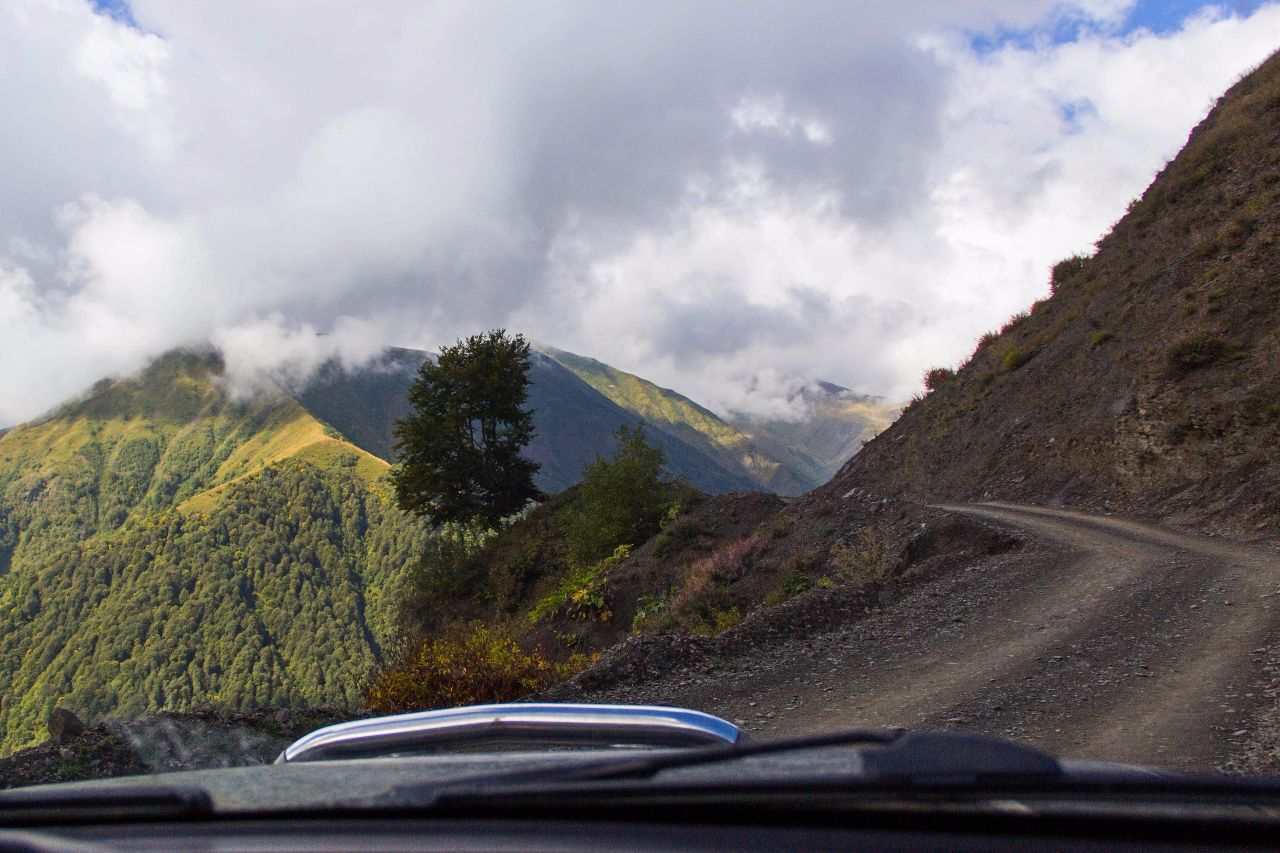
column 867, row 558
column 985, row 342
column 450, row 570
column 468, row 665
column 622, row 500
column 1196, row 351
column 720, row 621
column 796, row 581
column 936, row 377
column 1068, row 268
column 1014, row 322
column 711, row 573
column 679, row 534
column 580, row 595
column 1100, row 338
column 1014, row 358
column 650, row 610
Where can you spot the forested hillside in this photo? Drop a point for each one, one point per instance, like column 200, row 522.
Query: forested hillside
column 162, row 546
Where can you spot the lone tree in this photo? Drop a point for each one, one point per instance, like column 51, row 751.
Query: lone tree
column 621, row 500
column 460, row 446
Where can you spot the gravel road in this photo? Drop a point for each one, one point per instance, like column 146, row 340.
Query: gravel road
column 1105, row 638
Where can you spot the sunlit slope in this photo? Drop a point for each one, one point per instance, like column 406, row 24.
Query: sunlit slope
column 165, row 546
column 834, row 425
column 573, row 422
column 787, row 457
column 137, row 446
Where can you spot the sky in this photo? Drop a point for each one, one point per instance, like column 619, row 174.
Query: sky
column 731, row 198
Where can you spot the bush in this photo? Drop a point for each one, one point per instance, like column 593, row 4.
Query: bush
column 708, row 578
column 1014, row 322
column 1066, row 269
column 580, row 595
column 650, row 611
column 470, row 664
column 720, row 621
column 679, row 534
column 1196, row 351
column 1014, row 358
column 867, row 558
column 1100, row 338
column 936, row 377
column 450, row 570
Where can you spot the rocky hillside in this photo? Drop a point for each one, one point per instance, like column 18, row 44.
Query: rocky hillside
column 1147, row 384
column 1149, row 380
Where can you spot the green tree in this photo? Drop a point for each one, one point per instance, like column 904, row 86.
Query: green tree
column 622, row 500
column 460, row 446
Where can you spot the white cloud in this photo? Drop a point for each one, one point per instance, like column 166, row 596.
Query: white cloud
column 728, row 198
column 769, row 113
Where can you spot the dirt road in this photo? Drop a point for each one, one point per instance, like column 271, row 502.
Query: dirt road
column 1105, row 639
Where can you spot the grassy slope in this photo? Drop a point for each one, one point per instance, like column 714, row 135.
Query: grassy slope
column 771, row 465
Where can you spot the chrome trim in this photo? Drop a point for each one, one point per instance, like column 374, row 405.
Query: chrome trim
column 548, row 723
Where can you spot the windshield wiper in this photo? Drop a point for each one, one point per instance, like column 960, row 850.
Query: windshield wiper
column 90, row 803
column 649, row 766
column 638, row 767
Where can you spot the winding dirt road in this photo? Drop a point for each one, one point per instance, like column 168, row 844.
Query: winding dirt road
column 1106, row 639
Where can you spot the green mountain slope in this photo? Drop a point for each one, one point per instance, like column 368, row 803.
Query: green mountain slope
column 573, row 423
column 164, row 546
column 786, row 457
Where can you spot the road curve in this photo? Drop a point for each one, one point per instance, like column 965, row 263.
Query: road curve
column 1105, row 639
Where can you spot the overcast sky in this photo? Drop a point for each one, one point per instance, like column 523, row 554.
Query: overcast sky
column 729, row 198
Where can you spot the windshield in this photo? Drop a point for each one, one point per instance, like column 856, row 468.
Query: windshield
column 822, row 369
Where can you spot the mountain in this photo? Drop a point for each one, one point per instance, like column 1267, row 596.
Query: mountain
column 835, row 425
column 1148, row 382
column 786, row 457
column 573, row 424
column 163, row 545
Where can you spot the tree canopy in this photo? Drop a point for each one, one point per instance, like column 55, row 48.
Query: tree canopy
column 460, row 447
column 622, row 499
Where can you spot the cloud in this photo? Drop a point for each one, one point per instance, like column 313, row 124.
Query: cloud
column 730, row 198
